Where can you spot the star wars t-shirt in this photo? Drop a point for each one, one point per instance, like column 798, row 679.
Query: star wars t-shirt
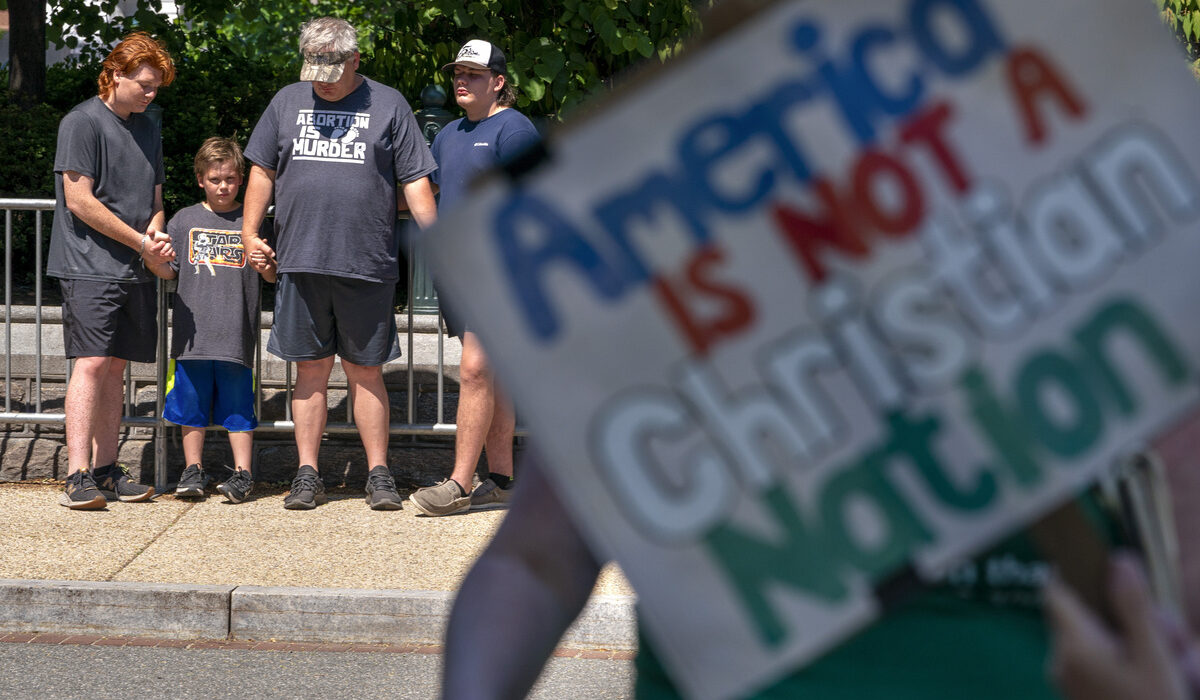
column 336, row 167
column 123, row 157
column 216, row 302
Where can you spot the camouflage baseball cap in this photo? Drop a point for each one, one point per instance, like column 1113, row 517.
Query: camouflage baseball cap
column 325, row 66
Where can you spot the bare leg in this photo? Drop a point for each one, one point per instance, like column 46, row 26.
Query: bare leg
column 193, row 444
column 309, row 407
column 372, row 414
column 499, row 443
column 476, row 402
column 87, row 412
column 108, row 420
column 242, row 444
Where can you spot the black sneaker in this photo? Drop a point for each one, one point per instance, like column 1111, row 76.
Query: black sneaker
column 307, row 490
column 116, row 485
column 237, row 487
column 192, row 482
column 381, row 490
column 81, row 492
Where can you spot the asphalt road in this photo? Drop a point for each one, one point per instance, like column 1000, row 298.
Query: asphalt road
column 46, row 671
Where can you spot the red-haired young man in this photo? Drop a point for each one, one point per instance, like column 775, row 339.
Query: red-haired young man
column 108, row 219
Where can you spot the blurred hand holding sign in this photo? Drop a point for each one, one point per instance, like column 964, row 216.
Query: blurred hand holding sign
column 852, row 289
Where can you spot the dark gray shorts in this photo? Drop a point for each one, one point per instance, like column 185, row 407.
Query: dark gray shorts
column 110, row 319
column 317, row 316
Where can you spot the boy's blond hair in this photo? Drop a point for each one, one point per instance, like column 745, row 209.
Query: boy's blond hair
column 217, row 149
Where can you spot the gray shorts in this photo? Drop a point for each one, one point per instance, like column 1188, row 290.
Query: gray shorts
column 102, row 318
column 317, row 316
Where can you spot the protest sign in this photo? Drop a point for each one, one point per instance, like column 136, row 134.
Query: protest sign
column 852, row 289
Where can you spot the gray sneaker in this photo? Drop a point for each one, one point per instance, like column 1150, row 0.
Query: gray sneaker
column 307, row 490
column 192, row 482
column 444, row 498
column 381, row 490
column 81, row 493
column 237, row 487
column 489, row 496
column 115, row 484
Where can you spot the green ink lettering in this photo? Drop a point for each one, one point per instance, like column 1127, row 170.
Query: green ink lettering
column 904, row 530
column 1074, row 435
column 797, row 558
column 912, row 438
column 1126, row 315
column 1003, row 429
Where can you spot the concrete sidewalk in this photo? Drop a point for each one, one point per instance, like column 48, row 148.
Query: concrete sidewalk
column 208, row 569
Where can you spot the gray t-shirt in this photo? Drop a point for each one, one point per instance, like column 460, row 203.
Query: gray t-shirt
column 336, row 168
column 216, row 303
column 124, row 159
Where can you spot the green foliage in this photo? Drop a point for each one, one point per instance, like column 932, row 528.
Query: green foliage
column 27, row 161
column 1183, row 17
column 93, row 21
column 26, row 170
column 265, row 32
column 558, row 53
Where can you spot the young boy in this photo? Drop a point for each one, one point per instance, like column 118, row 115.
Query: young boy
column 215, row 326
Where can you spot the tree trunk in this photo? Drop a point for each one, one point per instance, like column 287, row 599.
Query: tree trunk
column 27, row 51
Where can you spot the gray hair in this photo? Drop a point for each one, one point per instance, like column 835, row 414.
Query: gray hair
column 328, row 34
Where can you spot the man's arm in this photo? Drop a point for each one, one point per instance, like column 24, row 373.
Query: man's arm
column 519, row 598
column 152, row 245
column 402, row 204
column 418, row 195
column 158, row 220
column 260, row 188
column 159, row 250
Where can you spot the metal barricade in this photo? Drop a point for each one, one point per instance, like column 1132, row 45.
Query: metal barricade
column 37, row 207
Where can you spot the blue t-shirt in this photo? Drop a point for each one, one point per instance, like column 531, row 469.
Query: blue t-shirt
column 463, row 149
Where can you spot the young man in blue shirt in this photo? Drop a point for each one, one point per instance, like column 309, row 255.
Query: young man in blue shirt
column 490, row 134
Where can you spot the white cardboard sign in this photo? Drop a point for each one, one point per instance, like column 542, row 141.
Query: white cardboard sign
column 853, row 288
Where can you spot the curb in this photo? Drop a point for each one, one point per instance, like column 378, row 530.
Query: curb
column 323, row 615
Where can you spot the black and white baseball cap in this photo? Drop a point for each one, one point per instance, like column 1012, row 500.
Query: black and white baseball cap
column 481, row 54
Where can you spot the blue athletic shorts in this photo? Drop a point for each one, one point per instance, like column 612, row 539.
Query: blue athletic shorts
column 201, row 393
column 321, row 315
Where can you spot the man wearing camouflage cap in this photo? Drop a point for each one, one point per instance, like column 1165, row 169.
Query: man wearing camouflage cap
column 337, row 151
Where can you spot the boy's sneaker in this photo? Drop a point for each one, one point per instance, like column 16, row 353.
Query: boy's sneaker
column 444, row 498
column 381, row 490
column 192, row 482
column 307, row 490
column 488, row 496
column 237, row 487
column 116, row 485
column 81, row 492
